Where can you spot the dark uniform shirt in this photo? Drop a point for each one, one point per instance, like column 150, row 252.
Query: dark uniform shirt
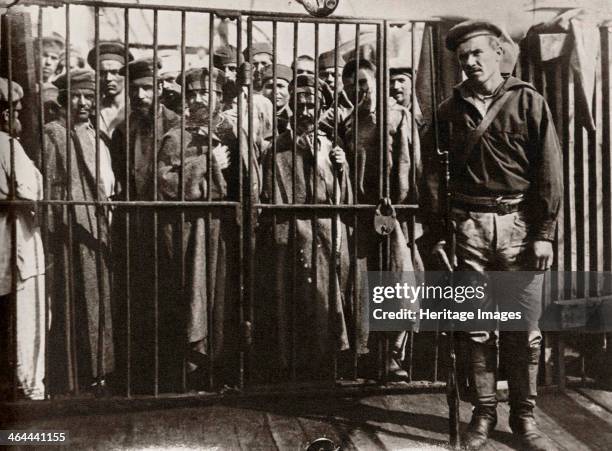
column 518, row 154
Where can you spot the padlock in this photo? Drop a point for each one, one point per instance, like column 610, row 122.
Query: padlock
column 384, row 217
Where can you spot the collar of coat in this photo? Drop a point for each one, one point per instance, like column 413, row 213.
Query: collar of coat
column 462, row 91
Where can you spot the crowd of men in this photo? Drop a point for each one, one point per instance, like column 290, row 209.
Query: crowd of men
column 148, row 288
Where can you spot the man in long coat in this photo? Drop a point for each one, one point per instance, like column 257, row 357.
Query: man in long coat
column 137, row 185
column 28, row 291
column 204, row 303
column 323, row 312
column 402, row 157
column 82, row 329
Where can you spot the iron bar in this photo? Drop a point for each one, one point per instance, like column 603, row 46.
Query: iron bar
column 70, row 212
column 13, row 348
column 101, row 290
column 127, row 181
column 293, row 217
column 125, row 204
column 182, row 289
column 356, row 217
column 383, row 182
column 209, row 243
column 155, row 217
column 337, row 199
column 239, row 211
column 43, row 168
column 315, row 179
column 251, row 172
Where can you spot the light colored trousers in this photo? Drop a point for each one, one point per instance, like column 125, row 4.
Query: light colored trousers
column 31, row 336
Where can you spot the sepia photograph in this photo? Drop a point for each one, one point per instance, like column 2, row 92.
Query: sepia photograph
column 306, row 225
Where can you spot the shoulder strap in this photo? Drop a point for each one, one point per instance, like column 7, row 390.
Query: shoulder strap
column 474, row 136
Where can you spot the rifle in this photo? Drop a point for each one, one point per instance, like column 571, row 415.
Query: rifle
column 452, row 385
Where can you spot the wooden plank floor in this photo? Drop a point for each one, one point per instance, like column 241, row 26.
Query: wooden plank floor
column 387, row 422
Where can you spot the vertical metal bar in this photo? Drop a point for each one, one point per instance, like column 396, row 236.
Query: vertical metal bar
column 274, row 127
column 413, row 175
column 209, row 243
column 182, row 193
column 43, row 167
column 251, row 174
column 337, row 195
column 381, row 133
column 413, row 139
column 381, row 114
column 128, row 152
column 97, row 207
column 294, row 219
column 606, row 148
column 155, row 215
column 13, row 353
column 97, row 94
column 239, row 210
column 315, row 183
column 355, row 172
column 434, row 96
column 70, row 210
column 274, row 114
column 336, row 81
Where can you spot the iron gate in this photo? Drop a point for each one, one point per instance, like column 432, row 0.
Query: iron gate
column 244, row 213
column 142, row 221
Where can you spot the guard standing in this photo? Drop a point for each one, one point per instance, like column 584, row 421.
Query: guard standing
column 506, row 186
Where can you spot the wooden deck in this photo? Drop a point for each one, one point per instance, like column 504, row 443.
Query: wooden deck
column 573, row 420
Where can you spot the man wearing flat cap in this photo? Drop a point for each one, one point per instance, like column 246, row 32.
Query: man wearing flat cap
column 327, row 69
column 209, row 236
column 81, row 174
column 144, row 123
column 261, row 54
column 319, row 340
column 506, row 190
column 225, row 58
column 28, row 293
column 143, row 119
column 52, row 48
column 111, row 60
column 403, row 158
column 284, row 75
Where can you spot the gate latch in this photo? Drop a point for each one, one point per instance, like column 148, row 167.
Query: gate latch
column 384, row 217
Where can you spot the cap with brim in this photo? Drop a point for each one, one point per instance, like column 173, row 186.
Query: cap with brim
column 197, row 78
column 80, row 80
column 16, row 94
column 470, row 29
column 398, row 66
column 326, row 60
column 53, row 42
column 305, row 84
column 140, row 71
column 351, row 66
column 109, row 50
column 282, row 73
column 256, row 48
column 227, row 54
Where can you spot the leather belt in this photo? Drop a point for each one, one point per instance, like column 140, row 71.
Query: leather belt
column 502, row 205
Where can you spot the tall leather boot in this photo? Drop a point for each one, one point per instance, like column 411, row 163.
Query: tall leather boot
column 523, row 358
column 482, row 374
